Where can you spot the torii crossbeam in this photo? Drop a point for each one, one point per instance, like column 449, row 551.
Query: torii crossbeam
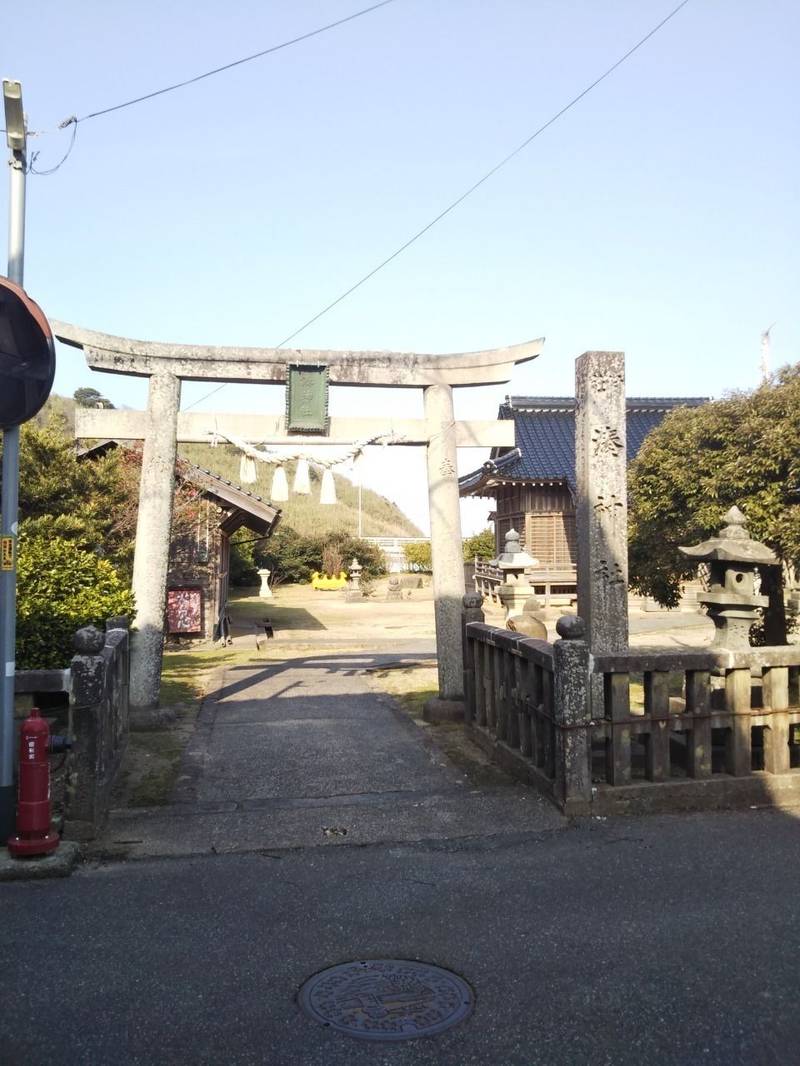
column 162, row 426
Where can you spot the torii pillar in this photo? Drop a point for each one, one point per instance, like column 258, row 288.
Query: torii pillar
column 162, row 426
column 153, row 526
column 446, row 550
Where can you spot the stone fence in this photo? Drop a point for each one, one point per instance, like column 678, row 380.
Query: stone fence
column 552, row 584
column 691, row 730
column 96, row 684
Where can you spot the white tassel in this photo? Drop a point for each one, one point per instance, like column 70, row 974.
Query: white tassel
column 302, row 481
column 327, row 492
column 247, row 471
column 280, row 486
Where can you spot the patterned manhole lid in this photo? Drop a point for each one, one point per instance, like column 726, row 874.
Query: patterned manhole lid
column 387, row 999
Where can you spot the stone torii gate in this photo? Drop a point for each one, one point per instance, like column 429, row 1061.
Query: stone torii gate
column 162, row 426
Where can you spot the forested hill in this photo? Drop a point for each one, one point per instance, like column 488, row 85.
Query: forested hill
column 379, row 516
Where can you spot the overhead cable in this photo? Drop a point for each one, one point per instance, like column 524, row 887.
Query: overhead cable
column 236, row 62
column 51, row 170
column 73, row 120
column 455, row 203
column 498, row 166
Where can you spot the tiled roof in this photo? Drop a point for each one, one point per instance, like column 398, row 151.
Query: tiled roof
column 261, row 512
column 544, row 431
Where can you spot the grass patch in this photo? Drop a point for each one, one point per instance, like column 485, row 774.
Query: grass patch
column 413, row 702
column 152, row 761
column 185, row 674
column 410, row 687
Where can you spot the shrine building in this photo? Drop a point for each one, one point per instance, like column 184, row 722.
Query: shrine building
column 533, row 483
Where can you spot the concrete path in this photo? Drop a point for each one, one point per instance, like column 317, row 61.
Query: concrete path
column 307, row 753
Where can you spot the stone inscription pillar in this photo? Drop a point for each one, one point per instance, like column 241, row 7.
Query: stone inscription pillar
column 151, row 559
column 446, row 550
column 602, row 503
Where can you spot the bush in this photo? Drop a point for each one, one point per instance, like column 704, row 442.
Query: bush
column 59, row 589
column 418, row 556
column 293, row 558
column 481, row 544
column 243, row 570
column 332, row 561
column 369, row 555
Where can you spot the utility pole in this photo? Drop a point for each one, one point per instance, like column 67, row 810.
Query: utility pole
column 16, row 138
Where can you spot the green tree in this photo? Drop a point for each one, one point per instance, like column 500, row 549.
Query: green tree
column 481, row 544
column 87, row 397
column 292, row 557
column 85, row 502
column 418, row 555
column 92, row 502
column 743, row 450
column 60, row 588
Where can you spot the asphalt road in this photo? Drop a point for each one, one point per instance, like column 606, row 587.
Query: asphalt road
column 669, row 940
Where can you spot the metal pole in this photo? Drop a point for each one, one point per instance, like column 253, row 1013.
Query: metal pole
column 9, row 505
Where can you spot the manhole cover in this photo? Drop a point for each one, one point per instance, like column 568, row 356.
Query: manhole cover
column 387, row 999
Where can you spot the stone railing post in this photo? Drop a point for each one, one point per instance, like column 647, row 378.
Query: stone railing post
column 471, row 611
column 88, row 682
column 572, row 714
column 118, row 636
column 99, row 722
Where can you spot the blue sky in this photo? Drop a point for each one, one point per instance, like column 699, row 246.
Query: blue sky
column 659, row 216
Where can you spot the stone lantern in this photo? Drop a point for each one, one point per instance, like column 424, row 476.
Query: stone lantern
column 514, row 564
column 353, row 591
column 732, row 601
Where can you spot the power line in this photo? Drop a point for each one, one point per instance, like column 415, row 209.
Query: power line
column 236, row 62
column 455, row 203
column 507, row 159
column 73, row 120
column 51, row 170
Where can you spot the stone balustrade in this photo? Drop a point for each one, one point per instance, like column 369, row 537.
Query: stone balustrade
column 673, row 730
column 97, row 686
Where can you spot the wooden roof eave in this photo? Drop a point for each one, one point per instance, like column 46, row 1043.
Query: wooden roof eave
column 487, row 487
column 238, row 518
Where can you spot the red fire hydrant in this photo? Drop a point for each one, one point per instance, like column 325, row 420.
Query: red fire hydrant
column 34, row 836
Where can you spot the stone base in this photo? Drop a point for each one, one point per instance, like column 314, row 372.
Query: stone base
column 143, row 720
column 81, row 830
column 718, row 793
column 439, row 710
column 59, row 863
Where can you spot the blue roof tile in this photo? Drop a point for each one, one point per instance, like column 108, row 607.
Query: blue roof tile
column 544, row 430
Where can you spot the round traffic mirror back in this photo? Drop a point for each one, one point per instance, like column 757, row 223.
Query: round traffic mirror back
column 27, row 356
